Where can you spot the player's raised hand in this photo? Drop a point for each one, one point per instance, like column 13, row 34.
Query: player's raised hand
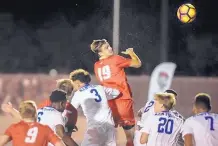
column 7, row 107
column 128, row 51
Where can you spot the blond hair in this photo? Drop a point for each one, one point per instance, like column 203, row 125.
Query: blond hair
column 78, row 71
column 28, row 109
column 167, row 99
column 63, row 83
column 96, row 44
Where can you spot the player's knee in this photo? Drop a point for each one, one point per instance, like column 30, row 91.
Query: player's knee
column 129, row 132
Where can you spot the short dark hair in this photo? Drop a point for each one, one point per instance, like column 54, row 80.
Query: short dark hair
column 57, row 96
column 171, row 91
column 81, row 75
column 202, row 100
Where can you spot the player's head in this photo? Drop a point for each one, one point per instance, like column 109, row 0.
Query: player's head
column 80, row 78
column 58, row 100
column 202, row 103
column 164, row 102
column 102, row 48
column 28, row 109
column 65, row 85
column 172, row 92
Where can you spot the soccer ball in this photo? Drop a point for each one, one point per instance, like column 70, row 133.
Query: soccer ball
column 186, row 13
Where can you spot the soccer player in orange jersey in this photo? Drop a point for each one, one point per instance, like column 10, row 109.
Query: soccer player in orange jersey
column 28, row 132
column 109, row 70
column 50, row 115
column 62, row 84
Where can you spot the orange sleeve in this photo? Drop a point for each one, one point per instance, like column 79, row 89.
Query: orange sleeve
column 122, row 62
column 46, row 102
column 52, row 137
column 9, row 131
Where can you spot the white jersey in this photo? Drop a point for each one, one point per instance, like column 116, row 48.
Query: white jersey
column 204, row 128
column 94, row 102
column 50, row 117
column 148, row 110
column 163, row 128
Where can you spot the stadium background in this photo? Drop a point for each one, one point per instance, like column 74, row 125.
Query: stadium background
column 38, row 36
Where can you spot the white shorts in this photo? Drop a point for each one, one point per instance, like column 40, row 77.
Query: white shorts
column 100, row 135
column 137, row 139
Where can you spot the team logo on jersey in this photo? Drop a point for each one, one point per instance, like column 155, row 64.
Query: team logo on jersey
column 162, row 79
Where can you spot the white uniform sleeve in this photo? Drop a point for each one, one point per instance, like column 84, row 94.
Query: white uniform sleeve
column 111, row 93
column 147, row 124
column 75, row 101
column 146, row 112
column 187, row 128
column 143, row 108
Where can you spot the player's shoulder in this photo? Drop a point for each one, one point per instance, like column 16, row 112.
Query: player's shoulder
column 177, row 115
column 196, row 117
column 42, row 126
column 49, row 111
column 164, row 114
column 96, row 63
column 44, row 129
column 117, row 57
column 97, row 86
column 18, row 124
column 215, row 115
column 149, row 103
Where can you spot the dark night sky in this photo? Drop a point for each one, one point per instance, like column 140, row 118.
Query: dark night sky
column 37, row 11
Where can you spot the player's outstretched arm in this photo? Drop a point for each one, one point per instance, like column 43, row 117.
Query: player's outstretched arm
column 8, row 108
column 144, row 138
column 188, row 140
column 4, row 139
column 135, row 61
column 147, row 124
column 66, row 139
column 111, row 93
column 187, row 131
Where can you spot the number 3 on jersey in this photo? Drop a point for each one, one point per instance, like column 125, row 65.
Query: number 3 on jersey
column 31, row 135
column 98, row 97
column 104, row 73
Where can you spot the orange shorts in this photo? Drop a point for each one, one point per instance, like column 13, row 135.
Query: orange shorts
column 122, row 110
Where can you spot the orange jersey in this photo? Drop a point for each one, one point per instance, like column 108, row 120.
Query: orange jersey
column 110, row 72
column 45, row 103
column 31, row 134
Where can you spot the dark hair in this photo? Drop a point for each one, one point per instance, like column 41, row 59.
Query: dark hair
column 171, row 91
column 58, row 96
column 203, row 101
column 81, row 75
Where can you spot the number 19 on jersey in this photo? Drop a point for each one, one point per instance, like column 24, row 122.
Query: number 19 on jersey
column 104, row 73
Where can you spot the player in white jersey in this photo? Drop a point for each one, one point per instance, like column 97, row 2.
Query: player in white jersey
column 148, row 110
column 202, row 128
column 52, row 116
column 93, row 100
column 162, row 128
